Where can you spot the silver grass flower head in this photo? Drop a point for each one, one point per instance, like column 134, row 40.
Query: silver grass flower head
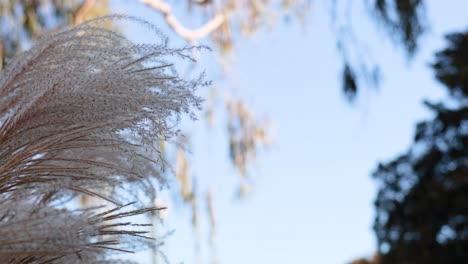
column 82, row 112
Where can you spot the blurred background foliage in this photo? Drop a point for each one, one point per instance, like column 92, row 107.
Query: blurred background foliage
column 422, row 195
column 422, row 203
column 403, row 20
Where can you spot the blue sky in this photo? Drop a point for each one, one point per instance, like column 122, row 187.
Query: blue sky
column 313, row 194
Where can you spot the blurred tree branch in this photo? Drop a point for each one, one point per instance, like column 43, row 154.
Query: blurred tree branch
column 190, row 35
column 81, row 11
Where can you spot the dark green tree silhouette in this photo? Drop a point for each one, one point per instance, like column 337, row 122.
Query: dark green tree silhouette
column 422, row 203
column 403, row 21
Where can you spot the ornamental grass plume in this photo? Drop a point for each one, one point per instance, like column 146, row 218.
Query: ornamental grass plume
column 81, row 113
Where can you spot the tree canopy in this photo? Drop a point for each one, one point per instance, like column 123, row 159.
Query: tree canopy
column 422, row 203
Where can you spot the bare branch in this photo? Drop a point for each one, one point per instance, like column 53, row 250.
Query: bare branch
column 190, row 35
column 82, row 10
